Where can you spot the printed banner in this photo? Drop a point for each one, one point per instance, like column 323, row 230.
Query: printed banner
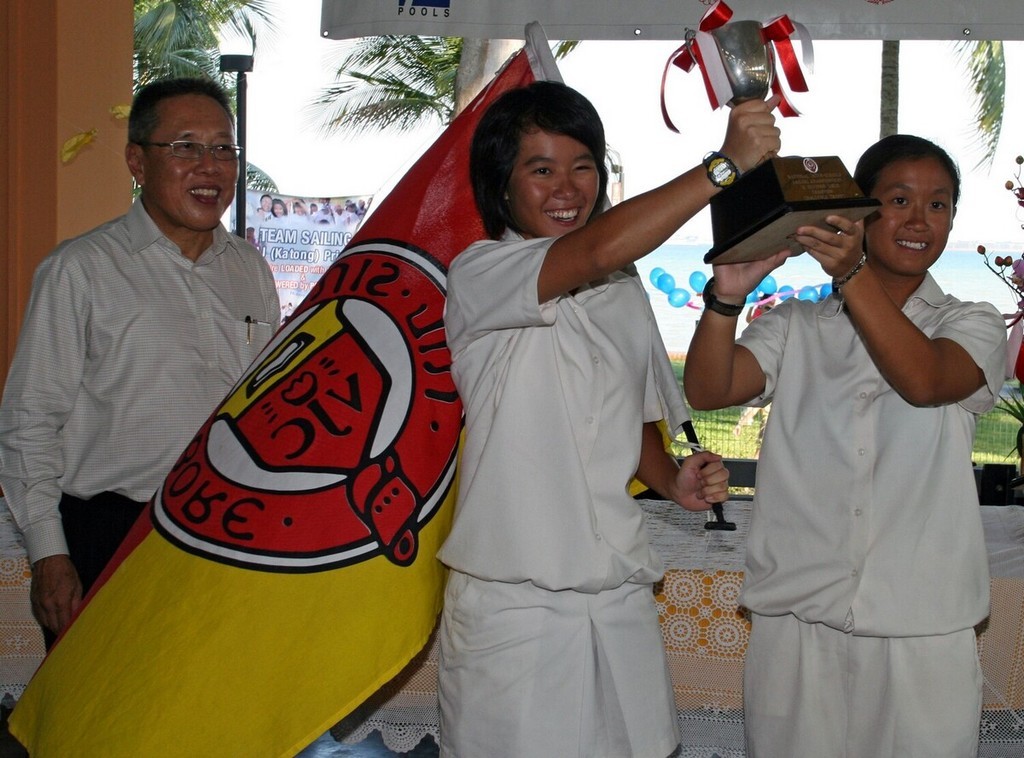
column 300, row 237
column 291, row 570
column 669, row 19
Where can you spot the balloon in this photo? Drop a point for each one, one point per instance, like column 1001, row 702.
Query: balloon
column 677, row 298
column 666, row 283
column 767, row 286
column 808, row 293
column 768, row 291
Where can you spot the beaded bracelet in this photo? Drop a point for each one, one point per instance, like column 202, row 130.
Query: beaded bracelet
column 837, row 284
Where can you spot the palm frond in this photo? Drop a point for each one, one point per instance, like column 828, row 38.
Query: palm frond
column 986, row 68
column 565, row 47
column 390, row 82
column 1012, row 405
column 258, row 179
column 182, row 37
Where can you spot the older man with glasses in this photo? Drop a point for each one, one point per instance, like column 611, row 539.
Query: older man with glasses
column 134, row 332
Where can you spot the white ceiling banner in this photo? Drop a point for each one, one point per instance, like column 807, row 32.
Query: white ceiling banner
column 669, row 19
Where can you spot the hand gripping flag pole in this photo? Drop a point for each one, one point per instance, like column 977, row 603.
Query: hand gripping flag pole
column 717, row 509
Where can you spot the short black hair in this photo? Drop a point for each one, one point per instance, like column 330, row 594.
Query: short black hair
column 143, row 119
column 902, row 147
column 550, row 106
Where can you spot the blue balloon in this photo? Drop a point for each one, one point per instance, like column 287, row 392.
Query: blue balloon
column 808, row 293
column 655, row 273
column 697, row 281
column 786, row 292
column 666, row 283
column 751, row 299
column 677, row 298
column 767, row 286
column 825, row 290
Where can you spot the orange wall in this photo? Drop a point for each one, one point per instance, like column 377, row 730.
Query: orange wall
column 63, row 64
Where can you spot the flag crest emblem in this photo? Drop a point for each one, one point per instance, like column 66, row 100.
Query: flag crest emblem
column 316, row 458
column 286, row 568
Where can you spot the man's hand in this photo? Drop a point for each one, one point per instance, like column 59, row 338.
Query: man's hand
column 56, row 592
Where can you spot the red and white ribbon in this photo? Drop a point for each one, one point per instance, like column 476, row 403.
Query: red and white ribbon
column 701, row 50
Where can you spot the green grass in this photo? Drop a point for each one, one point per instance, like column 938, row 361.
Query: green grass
column 993, row 443
column 996, row 438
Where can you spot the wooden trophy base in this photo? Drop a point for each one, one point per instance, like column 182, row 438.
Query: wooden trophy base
column 757, row 216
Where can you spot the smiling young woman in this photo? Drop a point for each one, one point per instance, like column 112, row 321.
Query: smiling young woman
column 550, row 642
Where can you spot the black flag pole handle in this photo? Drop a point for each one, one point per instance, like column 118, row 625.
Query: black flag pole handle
column 719, row 521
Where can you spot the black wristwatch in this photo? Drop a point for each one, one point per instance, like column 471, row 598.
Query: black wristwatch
column 721, row 170
column 712, row 303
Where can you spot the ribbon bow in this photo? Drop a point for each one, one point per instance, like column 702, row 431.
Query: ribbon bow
column 701, row 50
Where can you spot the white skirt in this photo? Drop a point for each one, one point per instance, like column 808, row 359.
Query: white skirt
column 529, row 672
column 813, row 691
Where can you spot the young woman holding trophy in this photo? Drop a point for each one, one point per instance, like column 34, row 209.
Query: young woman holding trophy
column 550, row 644
column 866, row 568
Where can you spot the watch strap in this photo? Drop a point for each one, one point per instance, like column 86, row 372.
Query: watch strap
column 720, row 169
column 712, row 303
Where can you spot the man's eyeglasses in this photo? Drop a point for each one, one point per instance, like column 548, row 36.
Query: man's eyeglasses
column 194, row 151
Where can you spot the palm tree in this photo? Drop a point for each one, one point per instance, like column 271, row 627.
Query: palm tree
column 398, row 82
column 889, row 103
column 181, row 38
column 986, row 67
column 392, row 82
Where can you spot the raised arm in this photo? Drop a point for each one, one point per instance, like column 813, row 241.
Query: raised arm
column 924, row 371
column 718, row 372
column 634, row 228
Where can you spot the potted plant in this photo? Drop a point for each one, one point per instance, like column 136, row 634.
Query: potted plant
column 1013, row 406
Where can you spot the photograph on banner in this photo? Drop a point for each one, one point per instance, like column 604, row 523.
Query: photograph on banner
column 300, row 236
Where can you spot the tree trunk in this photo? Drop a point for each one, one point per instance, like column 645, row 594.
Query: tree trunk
column 889, row 110
column 480, row 61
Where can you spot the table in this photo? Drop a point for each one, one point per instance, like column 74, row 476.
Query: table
column 21, row 642
column 706, row 636
column 704, row 630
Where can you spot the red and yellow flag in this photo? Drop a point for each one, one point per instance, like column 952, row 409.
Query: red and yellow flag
column 286, row 568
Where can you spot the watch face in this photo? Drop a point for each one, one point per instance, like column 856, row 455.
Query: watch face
column 721, row 172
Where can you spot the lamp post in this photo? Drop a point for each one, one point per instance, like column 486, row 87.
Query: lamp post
column 240, row 65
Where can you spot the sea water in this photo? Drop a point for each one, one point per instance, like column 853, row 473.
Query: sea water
column 960, row 272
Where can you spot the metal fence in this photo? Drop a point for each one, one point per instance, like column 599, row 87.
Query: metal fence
column 736, row 433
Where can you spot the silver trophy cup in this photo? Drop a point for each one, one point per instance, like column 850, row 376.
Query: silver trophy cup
column 748, row 61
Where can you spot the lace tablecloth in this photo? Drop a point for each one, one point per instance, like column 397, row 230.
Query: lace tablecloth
column 21, row 642
column 706, row 635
